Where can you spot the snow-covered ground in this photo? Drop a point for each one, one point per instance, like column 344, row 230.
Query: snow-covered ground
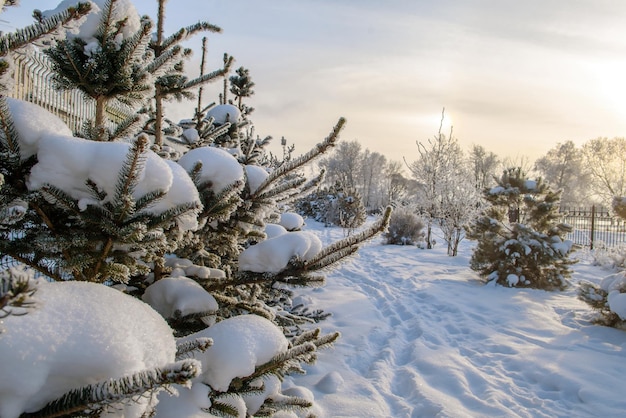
column 422, row 337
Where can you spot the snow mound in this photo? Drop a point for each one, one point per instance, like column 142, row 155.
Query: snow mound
column 175, row 297
column 182, row 191
column 218, row 167
column 291, row 221
column 239, row 345
column 256, row 176
column 273, row 255
column 224, row 113
column 274, row 230
column 79, row 334
column 124, row 9
column 32, row 122
column 330, row 383
column 67, row 162
column 184, row 402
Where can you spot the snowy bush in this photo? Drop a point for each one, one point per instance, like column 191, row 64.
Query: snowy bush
column 525, row 250
column 405, row 228
column 608, row 256
column 334, row 206
column 608, row 297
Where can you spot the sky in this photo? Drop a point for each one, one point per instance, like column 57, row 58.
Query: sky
column 514, row 77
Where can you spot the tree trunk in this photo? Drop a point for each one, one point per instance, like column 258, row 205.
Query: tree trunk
column 101, row 102
column 158, row 117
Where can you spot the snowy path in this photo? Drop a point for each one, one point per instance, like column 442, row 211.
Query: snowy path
column 422, row 337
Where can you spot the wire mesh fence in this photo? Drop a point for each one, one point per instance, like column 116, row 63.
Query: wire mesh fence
column 594, row 226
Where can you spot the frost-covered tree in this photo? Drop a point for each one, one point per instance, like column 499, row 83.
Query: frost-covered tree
column 608, row 297
column 605, row 160
column 205, row 241
column 520, row 239
column 562, row 168
column 484, row 165
column 461, row 202
column 440, row 159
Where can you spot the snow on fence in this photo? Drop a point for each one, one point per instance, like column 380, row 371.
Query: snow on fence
column 33, row 83
column 594, row 227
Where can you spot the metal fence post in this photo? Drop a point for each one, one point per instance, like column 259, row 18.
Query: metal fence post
column 593, row 224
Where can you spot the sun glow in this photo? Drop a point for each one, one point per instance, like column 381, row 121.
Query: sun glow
column 611, row 85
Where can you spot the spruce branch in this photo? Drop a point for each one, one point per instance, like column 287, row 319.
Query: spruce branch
column 343, row 248
column 129, row 176
column 25, row 36
column 282, row 188
column 206, row 78
column 165, row 57
column 114, row 391
column 16, row 291
column 9, row 138
column 186, row 349
column 127, row 126
column 185, row 33
column 292, row 165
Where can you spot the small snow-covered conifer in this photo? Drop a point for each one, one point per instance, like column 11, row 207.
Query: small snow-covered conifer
column 521, row 242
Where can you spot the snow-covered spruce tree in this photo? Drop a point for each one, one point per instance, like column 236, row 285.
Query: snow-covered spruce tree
column 608, row 297
column 107, row 60
column 28, row 382
column 520, row 239
column 135, row 206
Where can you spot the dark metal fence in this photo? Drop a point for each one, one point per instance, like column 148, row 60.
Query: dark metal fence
column 594, row 227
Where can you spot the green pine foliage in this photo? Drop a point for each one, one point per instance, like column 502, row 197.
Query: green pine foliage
column 520, row 239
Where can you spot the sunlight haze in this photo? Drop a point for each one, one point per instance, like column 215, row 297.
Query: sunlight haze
column 515, row 77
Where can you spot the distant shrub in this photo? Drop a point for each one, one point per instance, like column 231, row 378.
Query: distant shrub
column 334, row 206
column 405, row 228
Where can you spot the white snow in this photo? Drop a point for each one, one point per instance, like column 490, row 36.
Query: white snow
column 175, row 297
column 181, row 191
column 291, row 221
column 67, row 163
column 530, row 184
column 273, row 254
column 255, row 175
column 239, row 345
column 274, row 230
column 184, row 402
column 423, row 337
column 124, row 9
column 32, row 123
column 80, row 333
column 224, row 113
column 218, row 167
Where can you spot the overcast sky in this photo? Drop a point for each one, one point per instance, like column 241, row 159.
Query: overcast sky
column 516, row 77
